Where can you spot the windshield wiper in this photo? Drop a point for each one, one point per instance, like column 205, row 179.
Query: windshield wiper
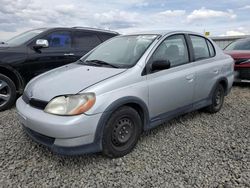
column 86, row 63
column 99, row 62
column 83, row 62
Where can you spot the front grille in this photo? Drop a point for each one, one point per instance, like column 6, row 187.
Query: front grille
column 38, row 103
column 34, row 102
column 244, row 73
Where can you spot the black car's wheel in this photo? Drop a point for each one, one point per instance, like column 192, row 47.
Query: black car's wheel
column 121, row 132
column 7, row 92
column 217, row 99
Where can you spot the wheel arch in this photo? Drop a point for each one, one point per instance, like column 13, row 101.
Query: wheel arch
column 224, row 82
column 14, row 76
column 134, row 102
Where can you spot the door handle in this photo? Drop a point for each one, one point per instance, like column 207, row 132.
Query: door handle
column 69, row 54
column 190, row 78
column 215, row 71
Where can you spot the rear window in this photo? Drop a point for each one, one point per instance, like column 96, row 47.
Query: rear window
column 200, row 46
column 105, row 36
column 85, row 40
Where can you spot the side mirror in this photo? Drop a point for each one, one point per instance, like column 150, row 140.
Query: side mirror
column 41, row 43
column 160, row 65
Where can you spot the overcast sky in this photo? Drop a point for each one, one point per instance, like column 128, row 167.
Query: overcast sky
column 219, row 17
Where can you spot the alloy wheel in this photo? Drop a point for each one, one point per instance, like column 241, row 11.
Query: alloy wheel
column 4, row 93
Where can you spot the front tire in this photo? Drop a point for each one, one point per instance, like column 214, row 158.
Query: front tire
column 217, row 99
column 121, row 132
column 7, row 92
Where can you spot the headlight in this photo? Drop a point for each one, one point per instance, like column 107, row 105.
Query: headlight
column 70, row 105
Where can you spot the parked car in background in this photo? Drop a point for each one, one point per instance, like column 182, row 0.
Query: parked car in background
column 126, row 85
column 240, row 51
column 37, row 51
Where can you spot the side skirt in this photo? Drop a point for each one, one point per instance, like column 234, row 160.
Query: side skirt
column 165, row 117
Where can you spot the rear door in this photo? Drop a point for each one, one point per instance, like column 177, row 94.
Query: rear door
column 171, row 91
column 206, row 66
column 83, row 42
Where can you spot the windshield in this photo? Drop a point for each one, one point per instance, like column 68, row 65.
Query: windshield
column 239, row 45
column 122, row 51
column 24, row 37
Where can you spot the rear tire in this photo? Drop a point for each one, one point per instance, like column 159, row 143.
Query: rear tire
column 121, row 132
column 217, row 99
column 7, row 92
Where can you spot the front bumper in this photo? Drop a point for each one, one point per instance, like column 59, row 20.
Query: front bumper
column 69, row 135
column 62, row 150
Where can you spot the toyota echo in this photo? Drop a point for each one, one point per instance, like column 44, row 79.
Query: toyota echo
column 128, row 84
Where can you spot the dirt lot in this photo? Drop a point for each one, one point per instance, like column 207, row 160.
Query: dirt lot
column 195, row 150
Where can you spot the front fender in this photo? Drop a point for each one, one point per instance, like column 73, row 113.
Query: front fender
column 13, row 74
column 114, row 106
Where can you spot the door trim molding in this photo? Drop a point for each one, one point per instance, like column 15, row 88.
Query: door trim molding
column 165, row 117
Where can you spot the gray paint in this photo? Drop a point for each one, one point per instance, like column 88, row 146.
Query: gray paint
column 162, row 92
column 60, row 81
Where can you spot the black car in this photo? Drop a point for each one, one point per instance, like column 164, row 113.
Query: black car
column 36, row 51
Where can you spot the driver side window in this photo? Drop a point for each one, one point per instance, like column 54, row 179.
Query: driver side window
column 59, row 40
column 172, row 49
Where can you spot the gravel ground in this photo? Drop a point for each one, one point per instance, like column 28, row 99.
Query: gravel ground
column 195, row 150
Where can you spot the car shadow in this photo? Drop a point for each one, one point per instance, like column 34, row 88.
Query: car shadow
column 99, row 158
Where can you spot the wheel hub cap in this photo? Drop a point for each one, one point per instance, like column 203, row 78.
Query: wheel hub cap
column 218, row 98
column 122, row 132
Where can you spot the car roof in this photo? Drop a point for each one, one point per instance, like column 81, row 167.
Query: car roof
column 82, row 28
column 96, row 29
column 164, row 32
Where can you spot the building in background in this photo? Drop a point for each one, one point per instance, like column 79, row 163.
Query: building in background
column 223, row 41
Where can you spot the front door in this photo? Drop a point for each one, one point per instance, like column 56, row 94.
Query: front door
column 59, row 53
column 171, row 91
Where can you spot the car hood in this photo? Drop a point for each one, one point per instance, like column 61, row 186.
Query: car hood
column 239, row 54
column 69, row 79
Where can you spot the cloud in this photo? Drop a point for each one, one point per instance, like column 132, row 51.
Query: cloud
column 142, row 4
column 167, row 18
column 204, row 13
column 10, row 7
column 33, row 14
column 172, row 13
column 237, row 31
column 116, row 19
column 22, row 13
column 122, row 16
column 66, row 8
column 234, row 33
column 245, row 7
